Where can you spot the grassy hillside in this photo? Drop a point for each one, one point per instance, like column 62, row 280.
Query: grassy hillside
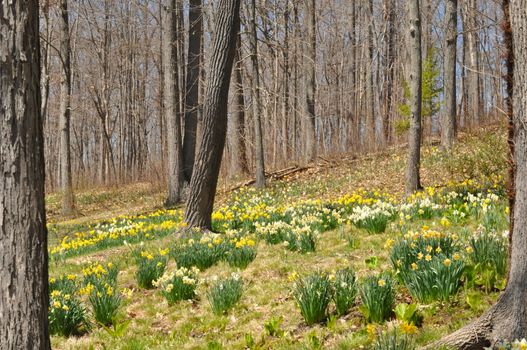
column 301, row 232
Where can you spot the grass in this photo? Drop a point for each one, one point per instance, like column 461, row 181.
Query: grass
column 153, row 324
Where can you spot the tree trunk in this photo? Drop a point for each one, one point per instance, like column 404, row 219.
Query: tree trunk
column 370, row 94
column 473, row 83
column 23, row 236
column 65, row 111
column 448, row 125
column 237, row 122
column 195, row 20
column 413, row 182
column 311, row 133
column 172, row 112
column 507, row 319
column 389, row 6
column 208, row 161
column 258, row 137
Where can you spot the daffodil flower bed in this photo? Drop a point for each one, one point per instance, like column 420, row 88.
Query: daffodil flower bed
column 150, row 266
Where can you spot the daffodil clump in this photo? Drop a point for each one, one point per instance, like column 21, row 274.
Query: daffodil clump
column 67, row 315
column 378, row 297
column 345, row 290
column 117, row 231
column 487, row 253
column 313, row 294
column 506, row 345
column 178, row 285
column 429, row 263
column 225, row 293
column 100, row 287
column 150, row 266
column 422, row 205
column 395, row 337
column 242, row 252
column 374, row 218
column 201, row 251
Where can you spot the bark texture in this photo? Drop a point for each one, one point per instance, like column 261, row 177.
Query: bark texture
column 23, row 235
column 448, row 122
column 208, row 160
column 172, row 113
column 413, row 182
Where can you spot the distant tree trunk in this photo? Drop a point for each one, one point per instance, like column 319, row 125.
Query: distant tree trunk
column 237, row 122
column 23, row 236
column 370, row 92
column 285, row 112
column 172, row 112
column 208, row 161
column 448, row 125
column 311, row 134
column 472, row 40
column 413, row 182
column 389, row 7
column 65, row 111
column 195, row 19
column 258, row 136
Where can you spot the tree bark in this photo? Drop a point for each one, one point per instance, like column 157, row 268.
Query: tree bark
column 258, row 136
column 448, row 125
column 413, row 182
column 65, row 112
column 311, row 89
column 195, row 19
column 473, row 64
column 172, row 112
column 23, row 235
column 208, row 161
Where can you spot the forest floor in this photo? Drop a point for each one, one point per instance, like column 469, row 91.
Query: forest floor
column 112, row 224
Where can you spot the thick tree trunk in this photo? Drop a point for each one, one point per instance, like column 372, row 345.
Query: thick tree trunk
column 258, row 136
column 311, row 88
column 65, row 111
column 448, row 124
column 23, row 236
column 171, row 94
column 413, row 182
column 208, row 161
column 507, row 319
column 195, row 19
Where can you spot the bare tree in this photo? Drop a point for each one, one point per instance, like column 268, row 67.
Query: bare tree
column 208, row 161
column 311, row 59
column 65, row 111
column 172, row 112
column 257, row 119
column 413, row 182
column 23, row 237
column 195, row 19
column 448, row 125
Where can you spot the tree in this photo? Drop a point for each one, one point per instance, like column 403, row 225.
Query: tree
column 65, row 111
column 195, row 19
column 311, row 87
column 448, row 120
column 208, row 161
column 413, row 182
column 23, row 236
column 172, row 112
column 258, row 137
column 507, row 319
